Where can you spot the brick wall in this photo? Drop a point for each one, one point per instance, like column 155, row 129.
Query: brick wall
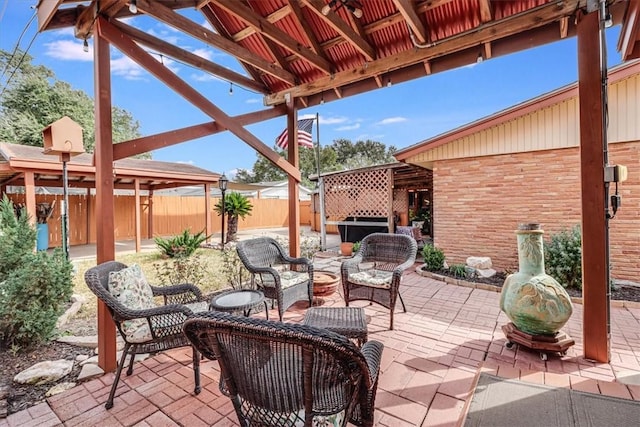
column 479, row 202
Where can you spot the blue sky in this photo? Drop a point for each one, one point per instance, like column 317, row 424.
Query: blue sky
column 400, row 115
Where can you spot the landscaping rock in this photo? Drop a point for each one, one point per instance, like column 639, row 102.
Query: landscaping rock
column 90, row 371
column 89, row 341
column 489, row 272
column 45, row 372
column 81, row 357
column 77, row 301
column 479, row 263
column 59, row 388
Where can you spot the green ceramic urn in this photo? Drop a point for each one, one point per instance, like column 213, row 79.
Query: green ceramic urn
column 534, row 301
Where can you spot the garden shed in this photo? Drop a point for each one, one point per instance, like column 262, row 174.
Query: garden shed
column 361, row 201
column 523, row 165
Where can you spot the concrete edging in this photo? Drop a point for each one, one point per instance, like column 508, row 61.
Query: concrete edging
column 484, row 286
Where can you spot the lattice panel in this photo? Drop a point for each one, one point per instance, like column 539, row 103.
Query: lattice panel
column 400, row 200
column 358, row 194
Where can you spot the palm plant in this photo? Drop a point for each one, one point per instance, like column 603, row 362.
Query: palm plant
column 236, row 206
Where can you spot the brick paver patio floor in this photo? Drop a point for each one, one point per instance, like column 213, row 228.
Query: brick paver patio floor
column 430, row 365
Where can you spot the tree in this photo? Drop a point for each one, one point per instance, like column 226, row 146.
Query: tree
column 34, row 98
column 236, row 206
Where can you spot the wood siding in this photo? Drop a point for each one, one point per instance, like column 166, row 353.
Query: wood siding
column 553, row 127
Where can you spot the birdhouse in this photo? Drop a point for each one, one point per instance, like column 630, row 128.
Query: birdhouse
column 63, row 136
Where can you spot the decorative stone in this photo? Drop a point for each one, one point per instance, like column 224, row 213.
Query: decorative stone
column 81, row 357
column 489, row 272
column 479, row 262
column 534, row 301
column 45, row 372
column 89, row 341
column 90, row 371
column 59, row 388
column 77, row 301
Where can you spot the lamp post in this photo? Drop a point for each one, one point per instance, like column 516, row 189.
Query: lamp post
column 222, row 185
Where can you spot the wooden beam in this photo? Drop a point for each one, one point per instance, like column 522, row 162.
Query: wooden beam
column 269, row 30
column 207, row 36
column 341, row 27
column 105, row 228
column 293, row 157
column 413, row 20
column 208, row 229
column 192, row 59
column 564, row 27
column 87, row 17
column 494, row 30
column 30, row 196
column 486, row 48
column 595, row 262
column 486, row 14
column 46, row 10
column 307, row 31
column 137, row 214
column 127, row 46
column 272, row 18
column 628, row 39
column 165, row 139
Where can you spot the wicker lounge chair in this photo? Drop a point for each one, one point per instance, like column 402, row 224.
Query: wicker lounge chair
column 374, row 273
column 281, row 277
column 147, row 330
column 283, row 374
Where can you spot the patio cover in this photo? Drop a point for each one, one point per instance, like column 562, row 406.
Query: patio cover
column 299, row 53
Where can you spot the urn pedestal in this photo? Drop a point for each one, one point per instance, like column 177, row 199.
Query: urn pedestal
column 537, row 305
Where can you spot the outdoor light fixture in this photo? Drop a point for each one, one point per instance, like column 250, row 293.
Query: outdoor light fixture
column 480, row 58
column 608, row 20
column 353, row 6
column 230, row 89
column 389, row 82
column 222, row 185
column 133, row 6
column 85, row 45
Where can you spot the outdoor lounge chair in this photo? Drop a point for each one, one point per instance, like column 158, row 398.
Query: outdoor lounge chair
column 374, row 273
column 145, row 330
column 283, row 374
column 281, row 277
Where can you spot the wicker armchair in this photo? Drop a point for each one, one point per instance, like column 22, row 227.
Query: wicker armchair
column 164, row 322
column 374, row 273
column 283, row 374
column 281, row 277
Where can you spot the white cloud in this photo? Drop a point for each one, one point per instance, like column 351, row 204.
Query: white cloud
column 127, row 68
column 391, row 120
column 205, row 77
column 349, row 127
column 186, row 162
column 253, row 101
column 68, row 50
column 165, row 35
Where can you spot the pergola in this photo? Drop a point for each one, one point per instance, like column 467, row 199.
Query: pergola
column 299, row 53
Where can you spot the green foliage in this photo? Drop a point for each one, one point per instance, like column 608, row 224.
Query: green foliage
column 433, row 258
column 182, row 245
column 35, row 98
column 33, row 286
column 563, row 257
column 458, row 270
column 181, row 269
column 236, row 206
column 356, row 246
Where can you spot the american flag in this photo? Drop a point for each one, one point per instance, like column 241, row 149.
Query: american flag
column 305, row 127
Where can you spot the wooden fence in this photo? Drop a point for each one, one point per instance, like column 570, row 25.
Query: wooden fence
column 171, row 215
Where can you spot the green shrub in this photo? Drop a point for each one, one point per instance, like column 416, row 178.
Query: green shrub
column 433, row 258
column 233, row 269
column 182, row 245
column 563, row 257
column 458, row 270
column 180, row 270
column 33, row 286
column 356, row 246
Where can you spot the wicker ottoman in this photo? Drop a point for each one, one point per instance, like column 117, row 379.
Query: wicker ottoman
column 348, row 321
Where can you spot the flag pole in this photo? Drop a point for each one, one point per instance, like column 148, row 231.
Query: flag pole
column 318, row 148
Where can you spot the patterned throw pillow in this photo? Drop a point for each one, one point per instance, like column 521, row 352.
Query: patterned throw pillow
column 131, row 289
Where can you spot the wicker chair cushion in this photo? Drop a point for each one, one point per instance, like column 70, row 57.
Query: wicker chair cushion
column 288, row 278
column 131, row 289
column 372, row 278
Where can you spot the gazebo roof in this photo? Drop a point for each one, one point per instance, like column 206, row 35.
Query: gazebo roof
column 293, row 48
column 16, row 159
